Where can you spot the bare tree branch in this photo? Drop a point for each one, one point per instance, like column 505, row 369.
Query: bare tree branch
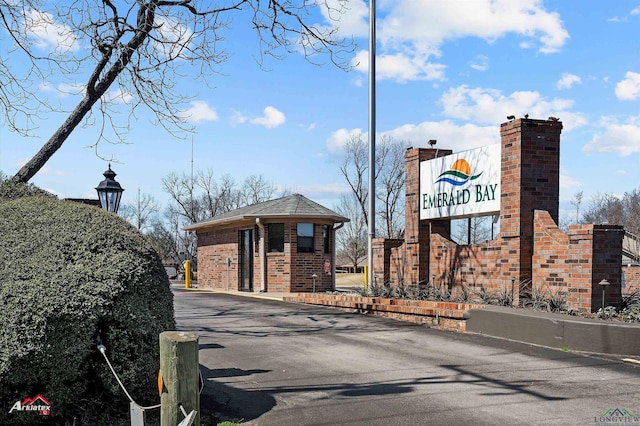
column 140, row 46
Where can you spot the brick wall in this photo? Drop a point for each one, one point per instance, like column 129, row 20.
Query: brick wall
column 214, row 247
column 473, row 266
column 288, row 271
column 574, row 263
column 530, row 249
column 631, row 279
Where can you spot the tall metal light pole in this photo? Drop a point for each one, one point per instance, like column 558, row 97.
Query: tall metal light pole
column 372, row 138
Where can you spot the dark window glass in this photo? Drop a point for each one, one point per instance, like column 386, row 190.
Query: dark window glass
column 305, row 237
column 276, row 237
column 326, row 237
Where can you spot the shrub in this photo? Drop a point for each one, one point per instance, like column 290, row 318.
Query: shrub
column 72, row 273
column 10, row 190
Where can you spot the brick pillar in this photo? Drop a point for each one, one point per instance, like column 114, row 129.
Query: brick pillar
column 529, row 180
column 416, row 232
column 607, row 261
column 382, row 249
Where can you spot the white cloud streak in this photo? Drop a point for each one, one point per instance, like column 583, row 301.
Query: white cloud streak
column 200, row 111
column 47, row 34
column 629, row 88
column 567, row 81
column 271, row 118
column 491, row 106
column 618, row 138
column 412, row 32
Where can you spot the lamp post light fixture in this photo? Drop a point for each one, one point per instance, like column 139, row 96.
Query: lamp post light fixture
column 604, row 283
column 109, row 191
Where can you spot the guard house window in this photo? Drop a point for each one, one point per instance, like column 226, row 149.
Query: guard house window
column 305, row 237
column 326, row 238
column 276, row 237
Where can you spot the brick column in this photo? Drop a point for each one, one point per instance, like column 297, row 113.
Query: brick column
column 529, row 180
column 416, row 234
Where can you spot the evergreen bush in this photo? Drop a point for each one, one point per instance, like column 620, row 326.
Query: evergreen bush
column 71, row 274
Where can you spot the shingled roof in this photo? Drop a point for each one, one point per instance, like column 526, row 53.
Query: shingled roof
column 294, row 206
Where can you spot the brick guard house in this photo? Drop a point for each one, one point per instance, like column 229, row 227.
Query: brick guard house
column 274, row 246
column 530, row 250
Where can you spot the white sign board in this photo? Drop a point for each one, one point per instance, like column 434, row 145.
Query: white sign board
column 466, row 183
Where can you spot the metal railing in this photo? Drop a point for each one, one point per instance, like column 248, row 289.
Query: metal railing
column 631, row 246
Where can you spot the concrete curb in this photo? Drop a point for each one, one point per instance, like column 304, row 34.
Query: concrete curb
column 556, row 330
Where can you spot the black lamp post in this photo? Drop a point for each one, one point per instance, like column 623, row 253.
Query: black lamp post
column 604, row 283
column 109, row 191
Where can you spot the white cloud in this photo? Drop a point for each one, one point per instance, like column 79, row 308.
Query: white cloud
column 491, row 106
column 629, row 88
column 400, row 66
column 353, row 22
column 337, row 140
column 119, row 96
column 480, row 63
column 238, row 118
column 618, row 138
column 49, row 35
column 635, row 11
column 412, row 32
column 172, row 39
column 567, row 182
column 271, row 118
column 200, row 111
column 448, row 134
column 567, row 81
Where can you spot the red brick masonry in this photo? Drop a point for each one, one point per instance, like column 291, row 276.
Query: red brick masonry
column 447, row 315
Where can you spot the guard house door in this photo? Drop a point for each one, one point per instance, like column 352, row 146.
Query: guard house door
column 246, row 260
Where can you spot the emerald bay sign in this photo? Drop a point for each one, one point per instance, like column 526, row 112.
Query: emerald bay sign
column 466, row 183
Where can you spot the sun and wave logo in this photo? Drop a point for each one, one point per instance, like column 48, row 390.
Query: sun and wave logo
column 459, row 174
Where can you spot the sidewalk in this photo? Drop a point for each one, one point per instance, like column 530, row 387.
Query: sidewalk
column 268, row 296
column 255, row 294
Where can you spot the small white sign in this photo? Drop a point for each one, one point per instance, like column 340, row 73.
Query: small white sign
column 466, row 183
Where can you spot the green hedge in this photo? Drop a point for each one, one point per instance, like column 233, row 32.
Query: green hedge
column 69, row 274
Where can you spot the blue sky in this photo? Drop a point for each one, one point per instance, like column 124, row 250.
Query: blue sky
column 447, row 70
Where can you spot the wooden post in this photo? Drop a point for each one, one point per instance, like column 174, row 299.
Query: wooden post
column 179, row 367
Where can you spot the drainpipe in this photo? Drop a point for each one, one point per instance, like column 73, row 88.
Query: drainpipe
column 333, row 256
column 263, row 257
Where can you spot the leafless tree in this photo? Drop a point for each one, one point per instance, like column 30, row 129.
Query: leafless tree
column 355, row 168
column 605, row 208
column 141, row 213
column 474, row 230
column 576, row 202
column 351, row 239
column 204, row 196
column 616, row 210
column 389, row 175
column 141, row 46
column 390, row 186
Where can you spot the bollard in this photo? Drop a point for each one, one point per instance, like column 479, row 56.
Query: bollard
column 366, row 277
column 187, row 274
column 179, row 369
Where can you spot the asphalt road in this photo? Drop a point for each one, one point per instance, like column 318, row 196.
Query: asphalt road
column 274, row 363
